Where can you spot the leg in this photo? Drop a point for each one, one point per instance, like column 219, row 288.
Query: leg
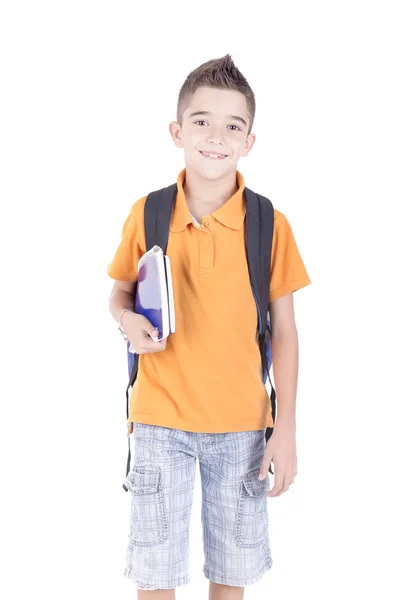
column 234, row 511
column 156, row 595
column 218, row 591
column 161, row 483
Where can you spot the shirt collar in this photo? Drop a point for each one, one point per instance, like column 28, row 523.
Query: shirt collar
column 231, row 213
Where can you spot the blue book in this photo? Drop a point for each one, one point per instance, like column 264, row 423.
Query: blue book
column 154, row 293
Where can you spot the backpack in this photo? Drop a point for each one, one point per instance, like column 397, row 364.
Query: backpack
column 259, row 226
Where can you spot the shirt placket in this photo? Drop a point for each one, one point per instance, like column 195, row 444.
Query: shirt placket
column 206, row 249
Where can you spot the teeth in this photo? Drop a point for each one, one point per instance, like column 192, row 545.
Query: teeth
column 213, row 155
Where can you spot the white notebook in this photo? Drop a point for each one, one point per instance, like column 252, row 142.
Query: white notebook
column 154, row 292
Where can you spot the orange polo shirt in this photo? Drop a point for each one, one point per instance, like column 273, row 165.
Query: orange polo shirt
column 208, row 379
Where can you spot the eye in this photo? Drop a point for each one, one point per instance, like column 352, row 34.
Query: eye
column 202, row 121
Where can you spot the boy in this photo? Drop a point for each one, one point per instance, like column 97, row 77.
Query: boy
column 199, row 393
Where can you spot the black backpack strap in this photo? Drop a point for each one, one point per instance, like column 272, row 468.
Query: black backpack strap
column 132, row 380
column 259, row 233
column 158, row 209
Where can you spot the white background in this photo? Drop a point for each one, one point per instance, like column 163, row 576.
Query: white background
column 88, row 91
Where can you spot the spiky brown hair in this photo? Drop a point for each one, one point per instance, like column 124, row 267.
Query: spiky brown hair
column 219, row 73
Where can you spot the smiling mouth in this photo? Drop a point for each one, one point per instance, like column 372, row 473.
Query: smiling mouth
column 213, row 155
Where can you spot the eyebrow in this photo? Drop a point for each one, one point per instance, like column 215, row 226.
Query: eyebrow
column 205, row 112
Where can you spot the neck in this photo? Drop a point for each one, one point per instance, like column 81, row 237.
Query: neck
column 204, row 196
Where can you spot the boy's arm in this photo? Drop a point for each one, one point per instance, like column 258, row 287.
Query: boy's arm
column 281, row 447
column 136, row 326
column 121, row 297
column 288, row 274
column 285, row 353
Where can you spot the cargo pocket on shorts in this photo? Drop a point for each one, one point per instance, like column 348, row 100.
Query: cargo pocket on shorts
column 251, row 521
column 148, row 525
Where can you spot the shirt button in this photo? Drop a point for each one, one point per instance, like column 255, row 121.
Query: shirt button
column 207, row 223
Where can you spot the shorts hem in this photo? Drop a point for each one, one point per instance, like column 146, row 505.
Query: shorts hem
column 237, row 582
column 147, row 584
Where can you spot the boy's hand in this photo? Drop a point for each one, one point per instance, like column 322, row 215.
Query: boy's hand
column 281, row 448
column 140, row 331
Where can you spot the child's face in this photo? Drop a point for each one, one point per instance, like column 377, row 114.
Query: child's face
column 217, row 131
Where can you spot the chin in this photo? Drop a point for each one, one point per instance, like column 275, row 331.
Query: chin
column 214, row 171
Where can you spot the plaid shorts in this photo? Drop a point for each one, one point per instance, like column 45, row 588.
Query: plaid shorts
column 234, row 506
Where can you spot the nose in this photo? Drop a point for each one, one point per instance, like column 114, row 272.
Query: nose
column 216, row 134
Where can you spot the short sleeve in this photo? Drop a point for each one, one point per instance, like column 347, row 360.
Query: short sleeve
column 288, row 272
column 123, row 266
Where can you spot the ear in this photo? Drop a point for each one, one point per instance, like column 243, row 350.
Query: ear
column 251, row 138
column 176, row 134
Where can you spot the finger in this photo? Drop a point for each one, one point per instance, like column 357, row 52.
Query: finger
column 147, row 340
column 147, row 327
column 150, row 335
column 147, row 345
column 285, row 485
column 278, row 484
column 160, row 346
column 264, row 468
